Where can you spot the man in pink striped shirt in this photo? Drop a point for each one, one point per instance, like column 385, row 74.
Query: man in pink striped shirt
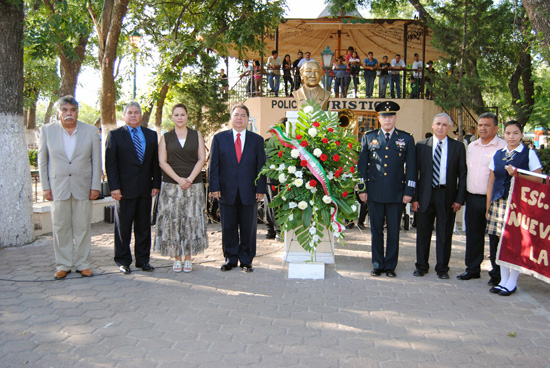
column 480, row 153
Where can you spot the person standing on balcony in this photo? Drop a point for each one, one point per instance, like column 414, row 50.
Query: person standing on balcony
column 274, row 64
column 395, row 76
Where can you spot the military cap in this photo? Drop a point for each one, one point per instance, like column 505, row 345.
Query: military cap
column 387, row 108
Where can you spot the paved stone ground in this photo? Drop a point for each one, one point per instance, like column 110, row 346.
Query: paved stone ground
column 209, row 319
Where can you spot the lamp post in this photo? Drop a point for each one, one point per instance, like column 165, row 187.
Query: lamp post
column 134, row 40
column 327, row 56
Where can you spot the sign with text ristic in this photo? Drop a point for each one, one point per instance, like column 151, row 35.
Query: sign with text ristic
column 525, row 241
column 333, row 105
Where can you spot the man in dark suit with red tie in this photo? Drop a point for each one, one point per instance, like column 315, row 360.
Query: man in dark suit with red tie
column 440, row 193
column 133, row 171
column 236, row 158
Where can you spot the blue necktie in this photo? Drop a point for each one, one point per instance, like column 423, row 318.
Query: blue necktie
column 137, row 143
column 437, row 164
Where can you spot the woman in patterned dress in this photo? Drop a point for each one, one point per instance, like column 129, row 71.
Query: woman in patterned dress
column 503, row 167
column 181, row 221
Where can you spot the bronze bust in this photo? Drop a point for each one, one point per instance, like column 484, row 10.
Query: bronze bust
column 311, row 74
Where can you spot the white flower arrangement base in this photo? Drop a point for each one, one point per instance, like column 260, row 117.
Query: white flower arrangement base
column 299, row 261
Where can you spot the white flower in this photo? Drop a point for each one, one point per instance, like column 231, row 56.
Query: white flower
column 295, row 153
column 312, row 230
column 284, row 198
column 282, row 178
column 312, row 132
column 346, row 176
column 292, row 169
column 281, row 167
column 308, row 186
column 313, row 190
column 316, row 238
column 292, row 205
column 353, row 207
column 327, row 199
column 308, row 109
column 291, row 217
column 299, row 174
column 272, row 167
column 330, row 175
column 311, row 202
column 302, row 205
column 317, row 152
column 298, row 182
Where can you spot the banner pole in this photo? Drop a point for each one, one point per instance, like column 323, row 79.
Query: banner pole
column 527, row 172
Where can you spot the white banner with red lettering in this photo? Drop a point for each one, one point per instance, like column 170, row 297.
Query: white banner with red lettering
column 525, row 241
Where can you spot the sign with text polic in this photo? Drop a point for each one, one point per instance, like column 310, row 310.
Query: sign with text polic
column 525, row 241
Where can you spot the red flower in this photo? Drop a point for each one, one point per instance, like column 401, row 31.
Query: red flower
column 273, row 188
column 345, row 194
column 336, row 158
column 312, row 183
column 298, row 136
column 352, row 169
column 337, row 143
column 350, row 145
column 280, row 154
column 340, row 169
column 330, row 130
column 303, row 163
column 323, row 157
column 316, row 124
column 303, row 144
column 337, row 174
column 288, row 189
column 325, row 140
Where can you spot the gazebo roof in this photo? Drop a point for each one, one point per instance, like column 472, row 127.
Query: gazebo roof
column 381, row 36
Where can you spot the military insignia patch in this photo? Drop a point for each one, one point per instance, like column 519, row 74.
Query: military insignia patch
column 400, row 143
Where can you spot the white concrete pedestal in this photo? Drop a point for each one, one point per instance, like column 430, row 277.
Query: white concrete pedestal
column 300, row 264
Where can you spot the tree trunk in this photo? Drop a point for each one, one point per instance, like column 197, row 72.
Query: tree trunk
column 108, row 27
column 160, row 105
column 31, row 118
column 16, row 226
column 70, row 68
column 539, row 14
column 48, row 115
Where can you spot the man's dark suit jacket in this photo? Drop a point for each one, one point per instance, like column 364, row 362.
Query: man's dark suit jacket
column 229, row 176
column 124, row 171
column 456, row 173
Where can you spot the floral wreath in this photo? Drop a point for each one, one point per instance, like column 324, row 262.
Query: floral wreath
column 315, row 164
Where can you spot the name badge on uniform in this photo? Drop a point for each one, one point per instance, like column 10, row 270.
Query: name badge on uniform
column 374, row 144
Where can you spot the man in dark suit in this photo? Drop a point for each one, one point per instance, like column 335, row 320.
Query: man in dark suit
column 387, row 167
column 236, row 158
column 132, row 167
column 441, row 163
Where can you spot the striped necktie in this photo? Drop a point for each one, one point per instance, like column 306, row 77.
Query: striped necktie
column 437, row 164
column 137, row 144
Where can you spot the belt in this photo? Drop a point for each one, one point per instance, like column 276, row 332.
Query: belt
column 439, row 187
column 478, row 195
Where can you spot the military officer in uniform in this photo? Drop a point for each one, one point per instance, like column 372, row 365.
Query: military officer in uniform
column 387, row 167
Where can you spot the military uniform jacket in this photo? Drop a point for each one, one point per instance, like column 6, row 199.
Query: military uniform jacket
column 387, row 169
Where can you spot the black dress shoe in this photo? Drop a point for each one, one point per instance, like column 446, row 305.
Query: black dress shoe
column 390, row 273
column 468, row 276
column 505, row 292
column 270, row 235
column 494, row 281
column 125, row 269
column 247, row 268
column 361, row 226
column 376, row 272
column 419, row 273
column 495, row 289
column 443, row 275
column 228, row 266
column 146, row 267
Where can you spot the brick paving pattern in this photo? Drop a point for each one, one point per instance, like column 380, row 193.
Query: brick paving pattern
column 209, row 318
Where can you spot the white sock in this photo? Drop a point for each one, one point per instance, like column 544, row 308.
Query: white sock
column 512, row 280
column 504, row 275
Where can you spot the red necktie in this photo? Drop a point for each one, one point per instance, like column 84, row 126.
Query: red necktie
column 238, row 147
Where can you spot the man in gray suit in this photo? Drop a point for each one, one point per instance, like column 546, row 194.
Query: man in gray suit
column 69, row 161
